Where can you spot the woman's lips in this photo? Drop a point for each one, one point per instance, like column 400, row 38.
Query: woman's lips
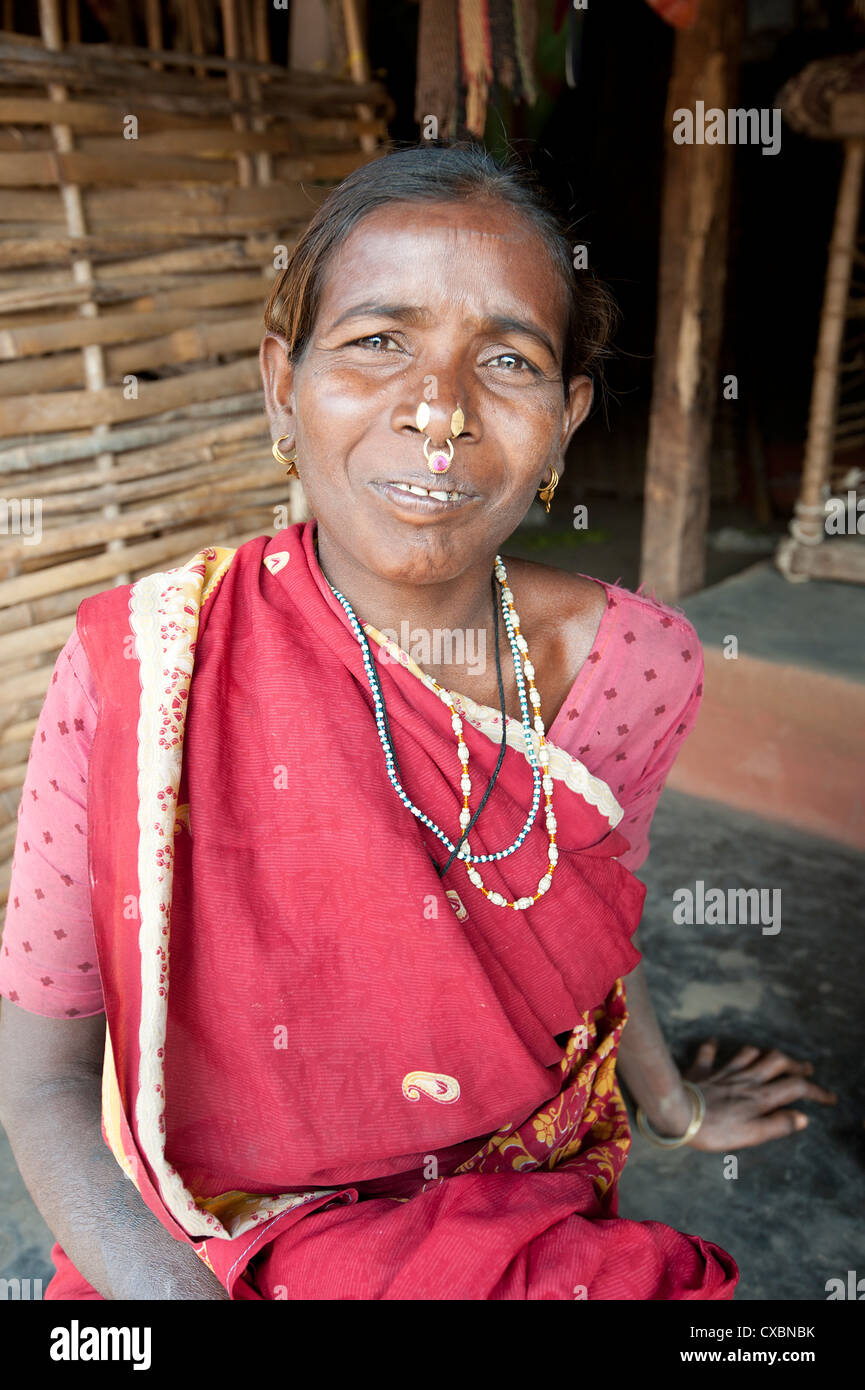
column 424, row 504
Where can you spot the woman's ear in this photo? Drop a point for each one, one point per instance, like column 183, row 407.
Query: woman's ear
column 581, row 391
column 277, row 375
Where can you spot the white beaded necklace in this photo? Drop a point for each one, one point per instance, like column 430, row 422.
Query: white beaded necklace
column 541, row 759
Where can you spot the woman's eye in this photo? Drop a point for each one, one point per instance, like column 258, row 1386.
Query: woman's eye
column 510, row 358
column 372, row 338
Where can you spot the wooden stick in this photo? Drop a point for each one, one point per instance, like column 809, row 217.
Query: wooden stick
column 193, row 446
column 12, row 776
column 23, row 731
column 95, row 116
column 108, row 55
column 358, row 62
column 38, row 168
column 44, row 250
column 86, row 501
column 24, row 687
column 73, row 22
column 26, row 615
column 35, row 339
column 82, row 271
column 154, row 30
column 259, row 49
column 84, row 115
column 30, row 641
column 236, row 87
column 206, row 142
column 819, row 447
column 220, row 290
column 141, row 555
column 65, row 410
column 195, row 504
column 196, row 35
column 285, row 202
column 105, row 67
column 14, row 753
column 186, row 345
column 38, row 453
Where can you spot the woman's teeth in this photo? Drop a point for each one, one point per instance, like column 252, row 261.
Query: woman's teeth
column 428, row 492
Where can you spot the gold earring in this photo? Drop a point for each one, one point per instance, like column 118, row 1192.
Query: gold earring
column 547, row 492
column 291, row 470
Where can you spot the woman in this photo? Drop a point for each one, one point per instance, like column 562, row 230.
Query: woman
column 360, row 939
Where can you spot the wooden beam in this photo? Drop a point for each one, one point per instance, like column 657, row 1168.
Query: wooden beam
column 693, row 256
column 840, row 561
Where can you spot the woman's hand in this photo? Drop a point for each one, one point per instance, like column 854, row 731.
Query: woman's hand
column 746, row 1098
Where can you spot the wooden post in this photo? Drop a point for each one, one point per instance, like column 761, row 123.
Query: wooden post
column 153, row 17
column 805, row 553
column 82, row 270
column 357, row 61
column 820, row 447
column 236, row 86
column 192, row 15
column 693, row 256
column 258, row 49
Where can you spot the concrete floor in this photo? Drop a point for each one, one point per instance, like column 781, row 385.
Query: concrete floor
column 792, row 1218
column 24, row 1238
column 816, row 626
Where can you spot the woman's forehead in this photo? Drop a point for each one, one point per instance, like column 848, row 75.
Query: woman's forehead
column 444, row 245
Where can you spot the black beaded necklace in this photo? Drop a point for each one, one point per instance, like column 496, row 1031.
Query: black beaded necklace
column 441, row 869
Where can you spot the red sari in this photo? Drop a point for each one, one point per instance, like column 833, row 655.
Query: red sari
column 332, row 1072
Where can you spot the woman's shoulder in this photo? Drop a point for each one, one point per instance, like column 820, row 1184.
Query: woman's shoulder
column 572, row 600
column 610, row 646
column 650, row 614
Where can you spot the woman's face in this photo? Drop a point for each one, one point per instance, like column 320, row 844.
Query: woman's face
column 453, row 304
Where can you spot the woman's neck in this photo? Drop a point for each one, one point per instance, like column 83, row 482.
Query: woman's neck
column 448, row 628
column 460, row 604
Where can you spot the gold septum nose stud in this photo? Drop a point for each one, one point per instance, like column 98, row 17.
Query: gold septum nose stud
column 439, row 461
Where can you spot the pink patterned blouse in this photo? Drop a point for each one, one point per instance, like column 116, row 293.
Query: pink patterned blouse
column 630, row 707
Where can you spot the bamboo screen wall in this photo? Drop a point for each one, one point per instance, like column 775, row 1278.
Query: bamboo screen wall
column 133, row 276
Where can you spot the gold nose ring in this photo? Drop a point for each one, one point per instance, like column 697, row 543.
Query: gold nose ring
column 439, row 462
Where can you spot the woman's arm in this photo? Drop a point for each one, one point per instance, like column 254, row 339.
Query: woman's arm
column 744, row 1099
column 50, row 1105
column 645, row 1064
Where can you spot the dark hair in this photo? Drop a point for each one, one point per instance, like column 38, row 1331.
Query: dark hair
column 439, row 173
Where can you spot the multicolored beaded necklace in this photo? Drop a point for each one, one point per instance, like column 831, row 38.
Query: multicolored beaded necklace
column 538, row 760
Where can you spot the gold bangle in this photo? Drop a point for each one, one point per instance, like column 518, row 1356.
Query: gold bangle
column 698, row 1114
